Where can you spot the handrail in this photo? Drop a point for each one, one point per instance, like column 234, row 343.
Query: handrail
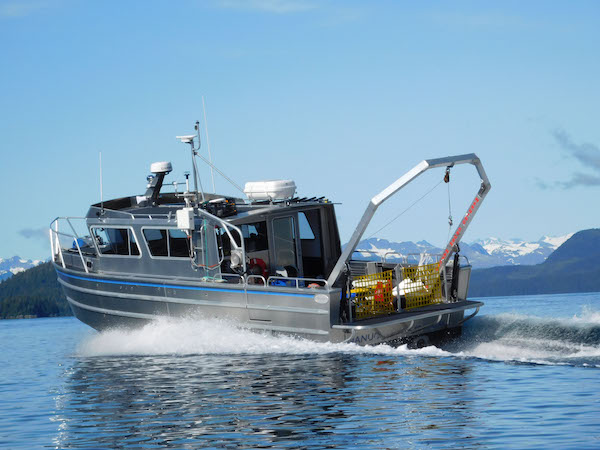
column 402, row 256
column 55, row 241
column 296, row 281
column 226, row 226
column 168, row 216
column 420, row 255
column 252, row 277
column 372, row 252
column 62, row 260
column 234, row 276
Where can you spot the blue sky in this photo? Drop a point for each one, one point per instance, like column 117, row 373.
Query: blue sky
column 341, row 96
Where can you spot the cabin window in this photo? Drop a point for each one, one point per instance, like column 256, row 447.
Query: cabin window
column 255, row 236
column 179, row 244
column 309, row 224
column 115, row 241
column 306, row 231
column 167, row 242
column 285, row 241
column 157, row 241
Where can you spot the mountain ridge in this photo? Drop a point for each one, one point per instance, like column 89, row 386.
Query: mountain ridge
column 572, row 267
column 482, row 253
column 15, row 264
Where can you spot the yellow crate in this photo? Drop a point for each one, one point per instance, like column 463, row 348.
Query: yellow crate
column 373, row 295
column 424, row 286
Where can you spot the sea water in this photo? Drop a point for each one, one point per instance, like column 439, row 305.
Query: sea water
column 525, row 373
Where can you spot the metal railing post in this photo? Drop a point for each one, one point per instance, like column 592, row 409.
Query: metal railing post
column 77, row 244
column 62, row 259
column 51, row 236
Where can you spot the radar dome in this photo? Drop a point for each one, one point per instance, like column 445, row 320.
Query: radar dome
column 161, row 167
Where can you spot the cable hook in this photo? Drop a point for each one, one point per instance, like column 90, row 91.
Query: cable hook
column 447, row 181
column 447, row 176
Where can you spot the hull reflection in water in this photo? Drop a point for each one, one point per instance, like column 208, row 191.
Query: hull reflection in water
column 261, row 400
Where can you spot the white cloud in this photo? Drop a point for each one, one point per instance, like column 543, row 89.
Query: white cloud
column 34, row 233
column 587, row 154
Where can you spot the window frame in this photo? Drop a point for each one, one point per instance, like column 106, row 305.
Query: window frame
column 155, row 227
column 247, row 239
column 169, row 243
column 130, row 232
column 314, row 236
column 297, row 249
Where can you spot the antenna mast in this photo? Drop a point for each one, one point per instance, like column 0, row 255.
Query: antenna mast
column 212, row 173
column 189, row 139
column 101, row 193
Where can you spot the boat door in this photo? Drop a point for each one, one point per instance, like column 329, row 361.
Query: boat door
column 285, row 254
column 283, row 251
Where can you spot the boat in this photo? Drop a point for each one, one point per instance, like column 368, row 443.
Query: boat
column 271, row 262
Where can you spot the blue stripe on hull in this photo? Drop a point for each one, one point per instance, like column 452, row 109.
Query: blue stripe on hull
column 176, row 286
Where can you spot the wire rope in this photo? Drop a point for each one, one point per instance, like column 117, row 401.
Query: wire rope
column 409, row 207
column 450, row 221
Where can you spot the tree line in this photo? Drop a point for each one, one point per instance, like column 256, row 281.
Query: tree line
column 33, row 293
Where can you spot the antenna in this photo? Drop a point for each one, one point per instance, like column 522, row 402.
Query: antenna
column 187, row 181
column 212, row 173
column 189, row 139
column 101, row 193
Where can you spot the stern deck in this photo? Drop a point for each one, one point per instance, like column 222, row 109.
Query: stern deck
column 437, row 310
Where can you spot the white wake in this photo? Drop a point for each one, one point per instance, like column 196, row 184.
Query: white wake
column 502, row 337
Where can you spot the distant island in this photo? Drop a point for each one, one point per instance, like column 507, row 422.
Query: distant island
column 572, row 267
column 33, row 293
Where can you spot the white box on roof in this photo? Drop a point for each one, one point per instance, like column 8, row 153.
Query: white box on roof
column 270, row 190
column 185, row 218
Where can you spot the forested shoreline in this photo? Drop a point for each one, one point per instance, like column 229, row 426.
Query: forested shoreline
column 33, row 293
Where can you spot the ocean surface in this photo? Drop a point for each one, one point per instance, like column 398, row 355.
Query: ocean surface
column 525, row 374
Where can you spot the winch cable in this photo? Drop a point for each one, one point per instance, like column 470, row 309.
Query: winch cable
column 450, row 221
column 409, row 207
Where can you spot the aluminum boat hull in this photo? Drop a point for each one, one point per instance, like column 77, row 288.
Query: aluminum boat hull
column 117, row 301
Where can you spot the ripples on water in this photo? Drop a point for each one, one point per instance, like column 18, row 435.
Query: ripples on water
column 512, row 380
column 270, row 400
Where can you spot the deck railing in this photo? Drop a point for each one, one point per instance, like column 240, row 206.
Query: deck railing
column 405, row 258
column 296, row 281
column 71, row 241
column 405, row 261
column 57, row 247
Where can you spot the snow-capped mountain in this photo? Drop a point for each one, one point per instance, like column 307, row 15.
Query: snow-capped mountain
column 14, row 265
column 481, row 253
column 382, row 247
column 520, row 252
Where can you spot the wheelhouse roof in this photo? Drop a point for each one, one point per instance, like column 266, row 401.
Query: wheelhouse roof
column 170, row 202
